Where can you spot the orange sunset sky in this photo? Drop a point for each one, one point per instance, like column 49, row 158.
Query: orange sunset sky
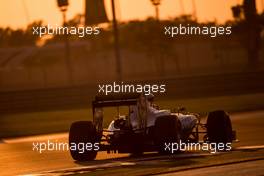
column 18, row 13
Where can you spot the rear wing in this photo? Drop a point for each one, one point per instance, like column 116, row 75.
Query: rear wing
column 115, row 100
column 112, row 100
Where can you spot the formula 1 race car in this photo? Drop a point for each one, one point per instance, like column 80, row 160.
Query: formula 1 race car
column 139, row 126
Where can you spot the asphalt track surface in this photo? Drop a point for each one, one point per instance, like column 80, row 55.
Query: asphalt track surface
column 18, row 158
column 249, row 168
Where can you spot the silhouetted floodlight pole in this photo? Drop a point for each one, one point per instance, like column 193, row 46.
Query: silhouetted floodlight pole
column 63, row 5
column 156, row 4
column 117, row 48
column 253, row 33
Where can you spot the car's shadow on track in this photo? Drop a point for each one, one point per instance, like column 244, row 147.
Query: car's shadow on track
column 143, row 158
column 148, row 162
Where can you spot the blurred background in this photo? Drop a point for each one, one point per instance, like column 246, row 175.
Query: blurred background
column 52, row 80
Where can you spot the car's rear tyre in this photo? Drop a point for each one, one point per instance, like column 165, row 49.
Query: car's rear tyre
column 83, row 133
column 166, row 131
column 219, row 127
